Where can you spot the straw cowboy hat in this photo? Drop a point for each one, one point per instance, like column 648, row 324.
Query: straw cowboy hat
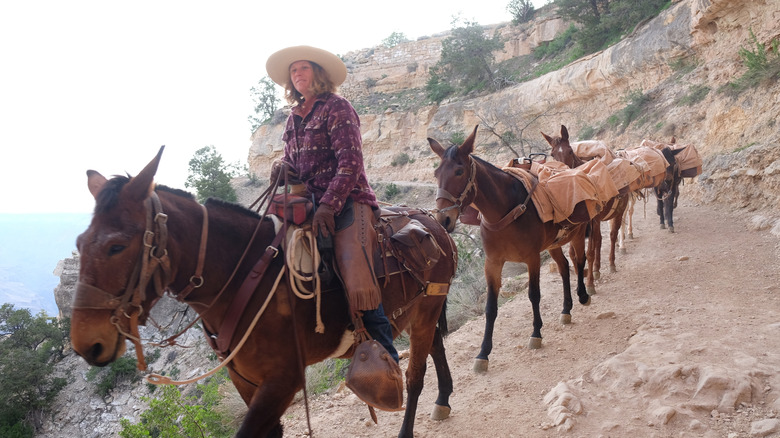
column 278, row 64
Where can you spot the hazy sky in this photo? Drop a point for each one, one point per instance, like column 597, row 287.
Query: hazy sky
column 103, row 84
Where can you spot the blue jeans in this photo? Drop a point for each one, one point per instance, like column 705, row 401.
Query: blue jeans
column 378, row 326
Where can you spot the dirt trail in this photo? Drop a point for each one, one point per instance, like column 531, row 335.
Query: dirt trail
column 684, row 340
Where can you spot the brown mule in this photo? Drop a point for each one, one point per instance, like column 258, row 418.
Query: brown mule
column 144, row 241
column 511, row 231
column 613, row 211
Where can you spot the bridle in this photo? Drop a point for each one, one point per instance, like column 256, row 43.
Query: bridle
column 153, row 266
column 457, row 202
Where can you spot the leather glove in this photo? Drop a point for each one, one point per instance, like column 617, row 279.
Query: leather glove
column 324, row 222
column 276, row 170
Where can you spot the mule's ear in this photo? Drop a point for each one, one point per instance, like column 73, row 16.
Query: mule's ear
column 547, row 137
column 673, row 140
column 564, row 133
column 141, row 186
column 436, row 147
column 468, row 146
column 95, row 182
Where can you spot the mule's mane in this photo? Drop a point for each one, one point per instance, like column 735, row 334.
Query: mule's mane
column 452, row 153
column 232, row 206
column 109, row 195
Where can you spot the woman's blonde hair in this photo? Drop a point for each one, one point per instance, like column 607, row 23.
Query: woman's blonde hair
column 320, row 84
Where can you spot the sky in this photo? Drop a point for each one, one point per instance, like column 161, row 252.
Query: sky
column 103, row 84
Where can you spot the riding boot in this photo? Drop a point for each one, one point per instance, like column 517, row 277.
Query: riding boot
column 378, row 327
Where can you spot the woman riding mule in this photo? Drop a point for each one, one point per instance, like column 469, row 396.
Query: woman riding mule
column 146, row 240
column 323, row 150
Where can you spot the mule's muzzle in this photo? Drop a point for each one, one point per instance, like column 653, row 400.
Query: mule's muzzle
column 94, row 338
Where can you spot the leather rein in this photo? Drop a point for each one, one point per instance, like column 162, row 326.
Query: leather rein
column 508, row 218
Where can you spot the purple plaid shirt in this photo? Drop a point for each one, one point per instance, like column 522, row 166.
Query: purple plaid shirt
column 326, row 150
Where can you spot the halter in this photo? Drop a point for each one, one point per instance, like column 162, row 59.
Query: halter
column 154, row 265
column 442, row 193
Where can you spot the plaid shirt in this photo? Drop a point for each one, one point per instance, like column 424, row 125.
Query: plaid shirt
column 326, row 151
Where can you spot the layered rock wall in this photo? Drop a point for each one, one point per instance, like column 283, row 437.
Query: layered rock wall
column 585, row 94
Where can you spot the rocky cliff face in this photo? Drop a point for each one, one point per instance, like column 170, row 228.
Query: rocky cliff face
column 584, row 94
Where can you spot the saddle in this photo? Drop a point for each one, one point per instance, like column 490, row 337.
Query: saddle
column 405, row 245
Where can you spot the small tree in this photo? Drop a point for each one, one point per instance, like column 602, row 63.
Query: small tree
column 394, row 39
column 210, row 176
column 266, row 102
column 521, row 10
column 29, row 349
column 467, row 56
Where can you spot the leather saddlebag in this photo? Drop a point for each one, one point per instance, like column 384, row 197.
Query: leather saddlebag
column 375, row 377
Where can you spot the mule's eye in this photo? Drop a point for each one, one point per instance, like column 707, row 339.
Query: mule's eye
column 459, row 172
column 116, row 249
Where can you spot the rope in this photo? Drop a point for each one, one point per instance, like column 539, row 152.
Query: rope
column 157, row 379
column 296, row 283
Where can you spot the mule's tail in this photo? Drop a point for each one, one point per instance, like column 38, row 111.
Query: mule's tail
column 443, row 320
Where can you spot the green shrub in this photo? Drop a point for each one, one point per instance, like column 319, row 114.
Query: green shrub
column 696, row 94
column 391, row 191
column 325, row 375
column 121, row 370
column 437, row 88
column 174, row 415
column 587, row 132
column 557, row 45
column 401, row 159
column 457, row 138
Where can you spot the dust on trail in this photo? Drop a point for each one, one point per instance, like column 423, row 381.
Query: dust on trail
column 684, row 340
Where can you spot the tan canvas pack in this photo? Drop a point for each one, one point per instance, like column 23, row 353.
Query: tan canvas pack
column 650, row 162
column 560, row 188
column 593, row 149
column 623, row 174
column 689, row 160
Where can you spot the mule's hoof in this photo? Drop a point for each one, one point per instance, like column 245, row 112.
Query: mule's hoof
column 591, row 291
column 663, row 227
column 535, row 343
column 612, row 269
column 630, row 235
column 596, row 275
column 565, row 319
column 671, row 229
column 481, row 365
column 440, row 412
column 587, row 301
